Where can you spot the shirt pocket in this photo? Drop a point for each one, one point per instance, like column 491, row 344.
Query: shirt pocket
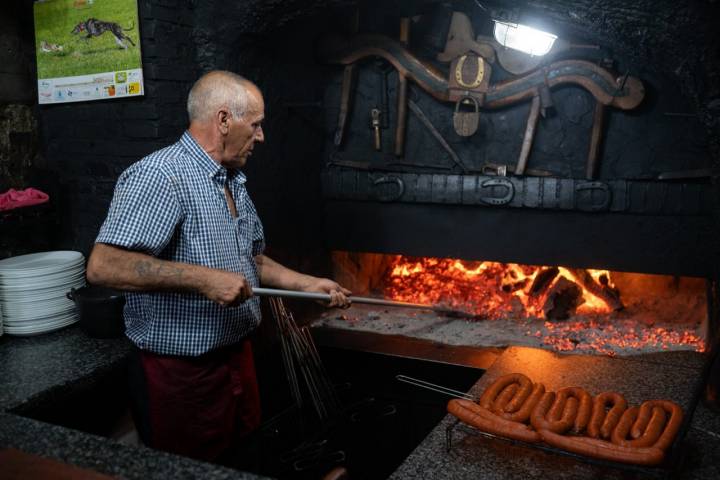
column 244, row 230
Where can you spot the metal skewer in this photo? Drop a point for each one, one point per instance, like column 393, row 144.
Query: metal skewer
column 302, row 364
column 434, row 387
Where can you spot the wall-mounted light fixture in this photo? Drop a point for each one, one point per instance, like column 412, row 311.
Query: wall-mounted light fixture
column 523, row 38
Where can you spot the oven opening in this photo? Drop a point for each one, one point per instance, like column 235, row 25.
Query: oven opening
column 491, row 304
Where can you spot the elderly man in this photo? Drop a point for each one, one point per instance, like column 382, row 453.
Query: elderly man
column 183, row 236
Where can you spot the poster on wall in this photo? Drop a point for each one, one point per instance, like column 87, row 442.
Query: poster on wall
column 87, row 50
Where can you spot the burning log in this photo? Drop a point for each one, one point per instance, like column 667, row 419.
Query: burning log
column 562, row 299
column 543, row 280
column 602, row 291
column 514, row 286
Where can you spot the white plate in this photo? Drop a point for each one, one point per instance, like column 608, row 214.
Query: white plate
column 40, row 322
column 13, row 313
column 23, row 332
column 45, row 279
column 16, row 316
column 41, row 284
column 30, row 272
column 39, row 261
column 63, row 287
column 31, row 298
column 31, row 275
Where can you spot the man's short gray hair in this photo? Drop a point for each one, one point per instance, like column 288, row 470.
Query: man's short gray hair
column 216, row 89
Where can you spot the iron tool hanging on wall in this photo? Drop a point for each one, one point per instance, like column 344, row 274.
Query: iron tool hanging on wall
column 469, row 77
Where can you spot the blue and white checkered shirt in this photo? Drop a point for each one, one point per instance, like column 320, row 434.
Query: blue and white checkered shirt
column 172, row 205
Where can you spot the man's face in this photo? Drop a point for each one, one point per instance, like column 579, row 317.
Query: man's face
column 244, row 132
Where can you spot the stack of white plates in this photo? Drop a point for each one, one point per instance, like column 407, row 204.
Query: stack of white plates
column 33, row 291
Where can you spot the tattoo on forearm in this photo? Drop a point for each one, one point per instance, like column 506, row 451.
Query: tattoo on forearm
column 142, row 268
column 145, row 268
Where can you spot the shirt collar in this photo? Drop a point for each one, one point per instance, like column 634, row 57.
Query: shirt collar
column 213, row 169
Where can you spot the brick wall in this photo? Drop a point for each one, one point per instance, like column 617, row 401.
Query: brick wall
column 89, row 144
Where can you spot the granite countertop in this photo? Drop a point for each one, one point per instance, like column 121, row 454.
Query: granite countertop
column 673, row 376
column 34, row 370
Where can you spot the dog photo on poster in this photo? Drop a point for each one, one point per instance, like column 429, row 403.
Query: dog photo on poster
column 87, row 50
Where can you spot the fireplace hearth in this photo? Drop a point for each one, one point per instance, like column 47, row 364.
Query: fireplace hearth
column 499, row 305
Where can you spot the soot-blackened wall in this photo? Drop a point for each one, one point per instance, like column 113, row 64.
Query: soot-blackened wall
column 272, row 43
column 89, row 144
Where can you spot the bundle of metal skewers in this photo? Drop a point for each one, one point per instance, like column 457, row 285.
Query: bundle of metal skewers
column 303, row 365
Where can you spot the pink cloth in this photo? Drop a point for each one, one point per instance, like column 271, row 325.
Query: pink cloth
column 22, row 198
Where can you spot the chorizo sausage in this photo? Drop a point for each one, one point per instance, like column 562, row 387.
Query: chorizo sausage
column 652, row 431
column 623, row 427
column 584, row 411
column 641, row 421
column 523, row 414
column 503, row 398
column 524, row 391
column 488, row 397
column 539, row 418
column 483, row 419
column 604, row 450
column 556, row 410
column 602, row 422
column 673, row 423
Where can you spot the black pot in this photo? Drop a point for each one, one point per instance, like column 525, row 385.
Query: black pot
column 101, row 310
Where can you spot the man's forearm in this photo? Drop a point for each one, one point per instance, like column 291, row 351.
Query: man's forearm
column 274, row 274
column 133, row 271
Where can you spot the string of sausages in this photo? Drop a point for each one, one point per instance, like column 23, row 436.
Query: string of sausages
column 603, row 427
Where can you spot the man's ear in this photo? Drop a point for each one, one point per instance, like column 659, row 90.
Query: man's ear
column 223, row 121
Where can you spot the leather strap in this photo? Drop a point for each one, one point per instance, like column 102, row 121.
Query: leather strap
column 628, row 196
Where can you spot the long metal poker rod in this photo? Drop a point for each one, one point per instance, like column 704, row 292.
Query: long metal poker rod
column 274, row 292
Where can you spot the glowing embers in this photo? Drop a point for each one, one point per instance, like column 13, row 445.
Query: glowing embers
column 586, row 311
column 496, row 290
column 608, row 335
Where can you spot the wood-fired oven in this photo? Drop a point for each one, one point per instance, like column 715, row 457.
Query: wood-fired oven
column 561, row 202
column 568, row 194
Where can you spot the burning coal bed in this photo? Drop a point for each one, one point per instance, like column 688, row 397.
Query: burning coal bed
column 496, row 305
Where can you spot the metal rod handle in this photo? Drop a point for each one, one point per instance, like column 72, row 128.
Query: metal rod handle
column 274, row 292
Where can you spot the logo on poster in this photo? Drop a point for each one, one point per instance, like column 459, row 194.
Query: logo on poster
column 134, row 88
column 120, row 77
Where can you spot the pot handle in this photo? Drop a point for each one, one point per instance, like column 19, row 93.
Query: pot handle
column 71, row 294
